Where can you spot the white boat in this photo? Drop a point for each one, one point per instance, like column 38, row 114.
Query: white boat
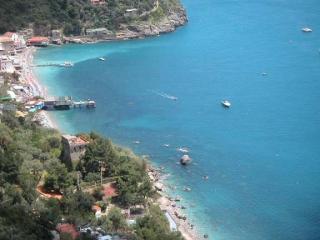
column 102, row 59
column 226, row 103
column 307, row 30
column 67, row 64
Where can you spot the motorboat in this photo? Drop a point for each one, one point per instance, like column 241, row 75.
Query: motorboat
column 102, row 59
column 67, row 64
column 307, row 30
column 226, row 103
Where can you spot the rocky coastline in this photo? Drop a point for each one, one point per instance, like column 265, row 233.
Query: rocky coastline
column 138, row 30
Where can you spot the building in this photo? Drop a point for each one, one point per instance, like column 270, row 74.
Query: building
column 26, row 33
column 17, row 39
column 60, row 103
column 56, row 36
column 6, row 45
column 38, row 41
column 73, row 147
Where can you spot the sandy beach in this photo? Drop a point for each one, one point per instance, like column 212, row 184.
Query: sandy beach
column 36, row 90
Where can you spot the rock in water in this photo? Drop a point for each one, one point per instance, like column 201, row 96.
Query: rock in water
column 185, row 159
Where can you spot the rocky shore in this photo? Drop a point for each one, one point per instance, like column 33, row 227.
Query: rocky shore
column 138, row 30
column 169, row 204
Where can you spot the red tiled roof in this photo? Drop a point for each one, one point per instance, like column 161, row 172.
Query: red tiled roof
column 68, row 228
column 8, row 34
column 38, row 39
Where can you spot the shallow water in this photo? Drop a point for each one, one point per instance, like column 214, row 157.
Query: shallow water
column 261, row 155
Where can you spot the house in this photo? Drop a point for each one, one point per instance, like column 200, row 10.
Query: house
column 56, row 36
column 6, row 65
column 6, row 45
column 26, row 33
column 38, row 41
column 17, row 39
column 73, row 147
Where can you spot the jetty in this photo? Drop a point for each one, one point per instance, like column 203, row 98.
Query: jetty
column 65, row 64
column 67, row 103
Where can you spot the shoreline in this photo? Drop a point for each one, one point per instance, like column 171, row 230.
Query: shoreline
column 169, row 204
column 36, row 89
column 166, row 203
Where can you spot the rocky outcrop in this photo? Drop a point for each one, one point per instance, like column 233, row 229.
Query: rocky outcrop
column 145, row 29
column 140, row 29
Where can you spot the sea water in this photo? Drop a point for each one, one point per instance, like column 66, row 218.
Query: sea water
column 262, row 155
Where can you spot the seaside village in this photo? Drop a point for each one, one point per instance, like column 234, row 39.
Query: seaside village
column 17, row 82
column 21, row 94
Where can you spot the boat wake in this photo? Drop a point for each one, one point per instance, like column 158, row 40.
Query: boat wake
column 165, row 95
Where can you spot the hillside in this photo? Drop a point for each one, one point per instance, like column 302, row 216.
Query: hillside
column 75, row 16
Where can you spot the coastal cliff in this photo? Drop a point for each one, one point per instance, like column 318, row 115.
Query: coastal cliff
column 93, row 19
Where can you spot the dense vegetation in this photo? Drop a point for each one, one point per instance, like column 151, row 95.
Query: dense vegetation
column 29, row 158
column 74, row 16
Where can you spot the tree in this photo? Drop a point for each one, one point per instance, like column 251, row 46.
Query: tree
column 57, row 177
column 115, row 220
column 154, row 226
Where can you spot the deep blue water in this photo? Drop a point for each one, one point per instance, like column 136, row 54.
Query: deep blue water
column 262, row 155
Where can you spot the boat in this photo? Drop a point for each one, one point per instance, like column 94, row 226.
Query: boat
column 173, row 98
column 183, row 149
column 102, row 59
column 187, row 189
column 226, row 103
column 67, row 64
column 136, row 142
column 307, row 30
column 166, row 145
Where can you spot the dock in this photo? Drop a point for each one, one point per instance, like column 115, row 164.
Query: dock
column 65, row 64
column 67, row 103
column 84, row 104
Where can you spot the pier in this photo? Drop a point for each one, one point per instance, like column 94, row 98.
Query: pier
column 66, row 103
column 65, row 64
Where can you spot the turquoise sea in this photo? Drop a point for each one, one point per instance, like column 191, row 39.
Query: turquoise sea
column 262, row 155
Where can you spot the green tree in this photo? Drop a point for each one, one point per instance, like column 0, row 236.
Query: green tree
column 115, row 220
column 57, row 177
column 154, row 226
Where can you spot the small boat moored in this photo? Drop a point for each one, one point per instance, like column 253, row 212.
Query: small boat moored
column 102, row 59
column 226, row 103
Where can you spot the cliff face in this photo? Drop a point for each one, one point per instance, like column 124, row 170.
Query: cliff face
column 127, row 17
column 164, row 24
